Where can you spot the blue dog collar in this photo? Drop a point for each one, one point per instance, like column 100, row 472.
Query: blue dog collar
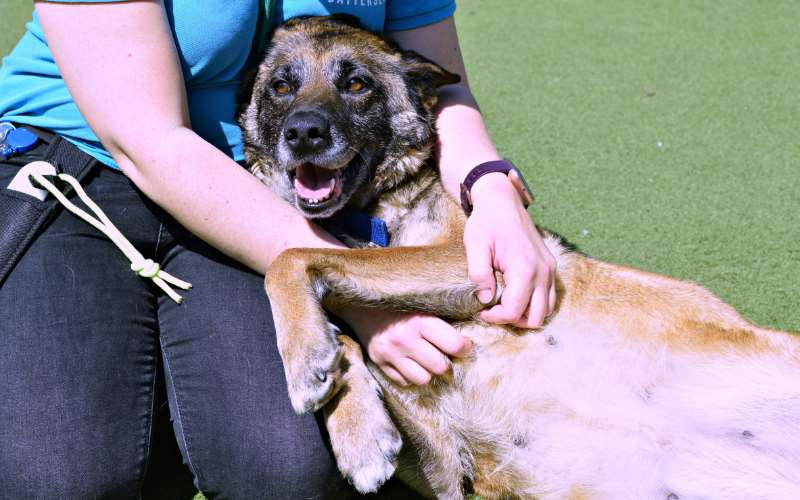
column 364, row 227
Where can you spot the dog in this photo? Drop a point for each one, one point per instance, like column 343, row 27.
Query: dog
column 638, row 386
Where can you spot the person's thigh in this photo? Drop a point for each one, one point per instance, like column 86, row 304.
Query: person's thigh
column 78, row 356
column 227, row 390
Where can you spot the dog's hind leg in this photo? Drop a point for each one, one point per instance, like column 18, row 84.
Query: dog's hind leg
column 363, row 437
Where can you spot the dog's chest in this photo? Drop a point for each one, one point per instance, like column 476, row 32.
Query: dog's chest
column 413, row 228
column 424, row 221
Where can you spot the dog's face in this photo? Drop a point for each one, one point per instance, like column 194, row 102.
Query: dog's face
column 337, row 115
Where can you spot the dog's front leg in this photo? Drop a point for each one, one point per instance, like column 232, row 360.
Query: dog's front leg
column 307, row 340
column 426, row 279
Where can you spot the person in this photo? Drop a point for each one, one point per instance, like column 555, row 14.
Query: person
column 147, row 88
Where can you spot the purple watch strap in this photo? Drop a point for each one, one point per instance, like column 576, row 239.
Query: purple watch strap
column 489, row 167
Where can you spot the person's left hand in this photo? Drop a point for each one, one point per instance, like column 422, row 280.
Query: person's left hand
column 499, row 235
column 408, row 348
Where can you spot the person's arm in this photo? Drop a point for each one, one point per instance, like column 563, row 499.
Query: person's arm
column 499, row 233
column 120, row 65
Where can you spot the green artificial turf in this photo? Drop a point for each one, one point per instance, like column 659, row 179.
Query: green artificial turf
column 13, row 16
column 657, row 134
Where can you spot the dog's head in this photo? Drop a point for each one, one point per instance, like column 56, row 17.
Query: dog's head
column 338, row 115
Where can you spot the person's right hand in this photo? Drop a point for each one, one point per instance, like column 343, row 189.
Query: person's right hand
column 500, row 236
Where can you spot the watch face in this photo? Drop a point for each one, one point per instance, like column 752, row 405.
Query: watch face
column 516, row 178
column 466, row 201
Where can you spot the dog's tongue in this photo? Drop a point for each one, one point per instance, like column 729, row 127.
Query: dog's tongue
column 314, row 183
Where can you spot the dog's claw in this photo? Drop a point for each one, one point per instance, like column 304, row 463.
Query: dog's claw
column 312, row 401
column 310, row 387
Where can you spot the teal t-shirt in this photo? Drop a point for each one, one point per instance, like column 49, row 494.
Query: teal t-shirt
column 213, row 38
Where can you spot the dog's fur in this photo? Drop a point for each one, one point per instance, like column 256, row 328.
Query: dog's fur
column 639, row 386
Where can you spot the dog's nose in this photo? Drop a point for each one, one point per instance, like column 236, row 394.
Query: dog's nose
column 307, row 132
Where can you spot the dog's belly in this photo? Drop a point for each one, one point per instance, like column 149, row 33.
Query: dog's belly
column 583, row 410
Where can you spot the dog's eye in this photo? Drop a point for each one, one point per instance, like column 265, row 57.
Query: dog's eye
column 356, row 84
column 281, row 87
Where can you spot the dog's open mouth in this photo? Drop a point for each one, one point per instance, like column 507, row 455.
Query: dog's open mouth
column 315, row 186
column 321, row 191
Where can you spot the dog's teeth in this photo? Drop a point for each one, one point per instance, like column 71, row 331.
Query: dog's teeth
column 331, row 190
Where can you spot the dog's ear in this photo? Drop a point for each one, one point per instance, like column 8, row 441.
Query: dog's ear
column 423, row 77
column 421, row 70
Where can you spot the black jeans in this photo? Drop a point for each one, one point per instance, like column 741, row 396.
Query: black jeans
column 81, row 340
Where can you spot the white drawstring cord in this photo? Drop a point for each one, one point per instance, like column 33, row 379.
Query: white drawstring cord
column 145, row 268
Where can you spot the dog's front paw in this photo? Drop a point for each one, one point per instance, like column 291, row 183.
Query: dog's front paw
column 370, row 473
column 313, row 377
column 365, row 441
column 367, row 450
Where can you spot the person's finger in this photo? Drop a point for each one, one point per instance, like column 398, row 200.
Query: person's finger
column 538, row 308
column 552, row 266
column 480, row 266
column 429, row 357
column 412, row 371
column 446, row 338
column 515, row 299
column 394, row 375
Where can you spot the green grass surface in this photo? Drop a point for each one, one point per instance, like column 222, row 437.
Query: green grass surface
column 13, row 16
column 581, row 94
column 657, row 134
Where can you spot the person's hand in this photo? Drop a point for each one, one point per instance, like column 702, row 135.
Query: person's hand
column 500, row 236
column 408, row 348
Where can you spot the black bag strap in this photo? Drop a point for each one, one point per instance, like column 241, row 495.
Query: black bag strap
column 22, row 217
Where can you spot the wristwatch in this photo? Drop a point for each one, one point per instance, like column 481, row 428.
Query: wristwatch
column 489, row 167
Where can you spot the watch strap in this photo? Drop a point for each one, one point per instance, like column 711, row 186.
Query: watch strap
column 490, row 167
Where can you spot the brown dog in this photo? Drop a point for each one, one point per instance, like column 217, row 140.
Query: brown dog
column 639, row 386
